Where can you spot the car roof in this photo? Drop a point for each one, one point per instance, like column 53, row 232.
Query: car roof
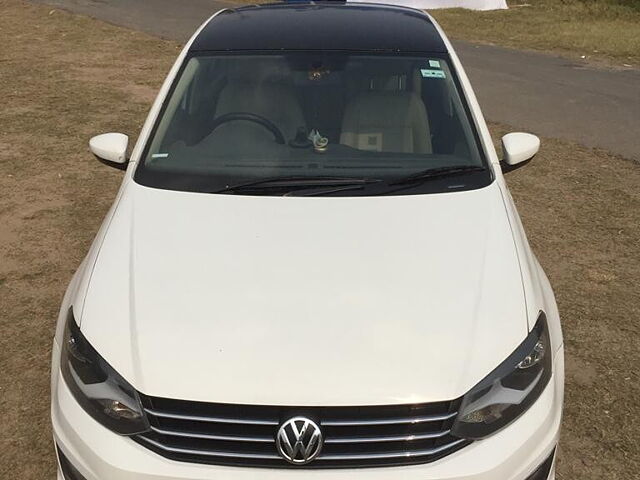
column 320, row 26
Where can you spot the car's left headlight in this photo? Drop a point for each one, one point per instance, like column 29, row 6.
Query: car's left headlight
column 508, row 391
column 97, row 387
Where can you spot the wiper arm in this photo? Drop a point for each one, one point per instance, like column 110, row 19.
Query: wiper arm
column 437, row 172
column 315, row 192
column 297, row 180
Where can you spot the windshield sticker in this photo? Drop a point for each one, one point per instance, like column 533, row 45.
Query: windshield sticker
column 434, row 63
column 427, row 73
column 160, row 155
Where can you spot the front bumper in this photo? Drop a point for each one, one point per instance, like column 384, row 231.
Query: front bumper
column 512, row 454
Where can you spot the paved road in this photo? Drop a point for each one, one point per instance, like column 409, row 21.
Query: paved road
column 544, row 94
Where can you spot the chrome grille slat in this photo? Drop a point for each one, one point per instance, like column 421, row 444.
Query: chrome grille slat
column 245, row 435
column 387, row 421
column 397, row 438
column 209, row 453
column 380, row 456
column 206, row 436
column 242, row 421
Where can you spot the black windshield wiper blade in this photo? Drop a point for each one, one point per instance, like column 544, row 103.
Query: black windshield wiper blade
column 437, row 172
column 298, row 180
column 319, row 191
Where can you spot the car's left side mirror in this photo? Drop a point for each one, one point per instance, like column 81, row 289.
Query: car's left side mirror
column 518, row 148
column 111, row 149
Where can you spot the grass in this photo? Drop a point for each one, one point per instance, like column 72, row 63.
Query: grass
column 600, row 30
column 64, row 78
column 68, row 77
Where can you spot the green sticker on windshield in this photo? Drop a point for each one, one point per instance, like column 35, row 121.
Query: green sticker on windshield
column 428, row 73
column 434, row 63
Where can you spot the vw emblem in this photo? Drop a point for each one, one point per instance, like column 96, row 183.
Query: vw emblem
column 299, row 440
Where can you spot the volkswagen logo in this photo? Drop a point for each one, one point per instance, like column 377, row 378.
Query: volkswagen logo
column 299, row 440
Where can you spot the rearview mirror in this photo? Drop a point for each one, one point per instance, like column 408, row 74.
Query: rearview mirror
column 518, row 148
column 111, row 149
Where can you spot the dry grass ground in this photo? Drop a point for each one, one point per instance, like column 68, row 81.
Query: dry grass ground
column 599, row 30
column 64, row 78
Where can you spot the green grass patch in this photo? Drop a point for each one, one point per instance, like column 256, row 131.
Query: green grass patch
column 596, row 29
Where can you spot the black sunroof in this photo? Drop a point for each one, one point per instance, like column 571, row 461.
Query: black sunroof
column 320, row 26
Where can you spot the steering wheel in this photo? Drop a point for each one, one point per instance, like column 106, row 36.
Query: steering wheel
column 250, row 117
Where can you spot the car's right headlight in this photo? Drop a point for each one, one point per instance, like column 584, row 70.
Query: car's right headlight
column 508, row 391
column 98, row 388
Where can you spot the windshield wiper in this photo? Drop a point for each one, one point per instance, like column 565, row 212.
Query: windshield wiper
column 298, row 181
column 316, row 192
column 437, row 172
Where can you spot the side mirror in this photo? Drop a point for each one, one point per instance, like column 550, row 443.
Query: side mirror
column 111, row 149
column 518, row 148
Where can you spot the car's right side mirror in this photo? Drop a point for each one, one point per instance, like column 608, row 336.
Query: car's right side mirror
column 518, row 148
column 111, row 149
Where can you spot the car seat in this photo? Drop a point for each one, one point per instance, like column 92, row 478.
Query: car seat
column 385, row 118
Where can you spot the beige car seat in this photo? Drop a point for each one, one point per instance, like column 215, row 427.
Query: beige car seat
column 386, row 119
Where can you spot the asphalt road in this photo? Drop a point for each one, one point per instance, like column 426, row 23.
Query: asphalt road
column 544, row 94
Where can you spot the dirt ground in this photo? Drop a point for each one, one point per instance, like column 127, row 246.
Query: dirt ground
column 64, row 78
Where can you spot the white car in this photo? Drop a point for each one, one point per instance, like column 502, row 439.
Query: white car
column 313, row 270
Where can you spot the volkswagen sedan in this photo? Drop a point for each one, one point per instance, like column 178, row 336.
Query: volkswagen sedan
column 313, row 270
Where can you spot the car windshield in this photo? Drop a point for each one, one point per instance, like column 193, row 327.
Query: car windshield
column 319, row 123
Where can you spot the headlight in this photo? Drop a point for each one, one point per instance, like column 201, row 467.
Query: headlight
column 508, row 391
column 97, row 387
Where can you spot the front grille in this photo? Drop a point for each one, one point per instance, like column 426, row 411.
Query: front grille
column 245, row 435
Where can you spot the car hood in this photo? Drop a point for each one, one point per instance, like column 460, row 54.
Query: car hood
column 306, row 301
